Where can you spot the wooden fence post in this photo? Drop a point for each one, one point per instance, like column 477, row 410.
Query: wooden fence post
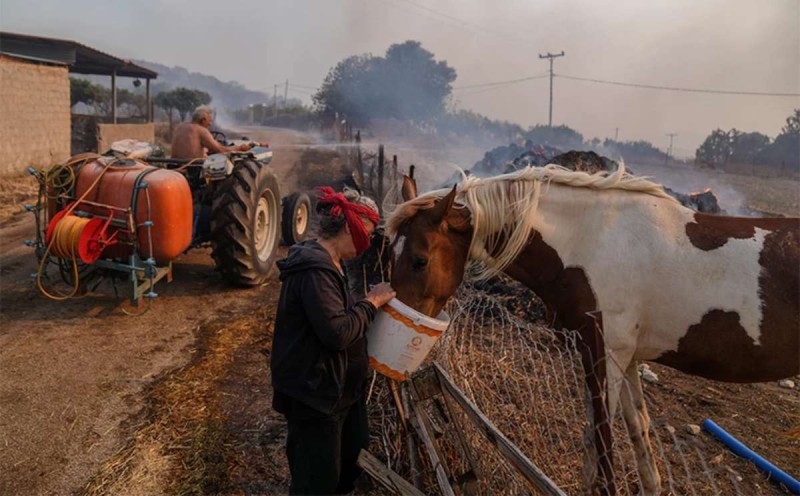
column 381, row 165
column 593, row 359
column 359, row 164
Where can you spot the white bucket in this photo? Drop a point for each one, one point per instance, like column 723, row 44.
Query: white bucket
column 400, row 338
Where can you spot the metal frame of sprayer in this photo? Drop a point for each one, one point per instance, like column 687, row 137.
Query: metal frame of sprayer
column 141, row 269
column 57, row 197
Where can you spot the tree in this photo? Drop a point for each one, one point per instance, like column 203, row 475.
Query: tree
column 481, row 129
column 92, row 95
column 183, row 100
column 785, row 150
column 792, row 123
column 406, row 84
column 418, row 84
column 747, row 148
column 716, row 149
column 755, row 148
column 134, row 104
column 348, row 89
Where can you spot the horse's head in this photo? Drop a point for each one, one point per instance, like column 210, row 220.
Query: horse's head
column 430, row 250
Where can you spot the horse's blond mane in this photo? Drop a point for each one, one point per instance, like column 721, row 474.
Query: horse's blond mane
column 503, row 207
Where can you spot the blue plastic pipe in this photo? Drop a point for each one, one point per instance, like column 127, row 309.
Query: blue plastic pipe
column 740, row 449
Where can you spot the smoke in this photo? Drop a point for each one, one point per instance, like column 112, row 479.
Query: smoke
column 436, row 156
column 731, row 200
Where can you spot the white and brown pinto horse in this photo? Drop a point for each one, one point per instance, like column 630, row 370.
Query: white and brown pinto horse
column 708, row 295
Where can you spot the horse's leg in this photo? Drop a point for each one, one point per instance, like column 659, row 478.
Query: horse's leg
column 634, row 409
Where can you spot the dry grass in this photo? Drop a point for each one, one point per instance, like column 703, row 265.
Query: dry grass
column 781, row 196
column 181, row 444
column 16, row 190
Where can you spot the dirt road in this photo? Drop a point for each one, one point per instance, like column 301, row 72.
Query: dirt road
column 75, row 377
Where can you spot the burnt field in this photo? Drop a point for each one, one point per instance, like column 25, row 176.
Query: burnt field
column 178, row 400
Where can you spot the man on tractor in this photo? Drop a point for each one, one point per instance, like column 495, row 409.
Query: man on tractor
column 192, row 140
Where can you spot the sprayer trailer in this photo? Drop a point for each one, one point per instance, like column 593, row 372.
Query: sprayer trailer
column 127, row 215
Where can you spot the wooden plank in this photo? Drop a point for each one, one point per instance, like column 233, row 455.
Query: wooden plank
column 420, row 423
column 413, row 454
column 505, row 447
column 468, row 482
column 387, row 477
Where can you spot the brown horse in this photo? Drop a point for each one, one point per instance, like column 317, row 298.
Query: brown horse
column 711, row 296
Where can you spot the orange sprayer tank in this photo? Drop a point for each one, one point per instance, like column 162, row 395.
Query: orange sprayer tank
column 170, row 204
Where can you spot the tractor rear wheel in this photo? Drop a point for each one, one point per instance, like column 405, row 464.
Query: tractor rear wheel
column 296, row 221
column 245, row 224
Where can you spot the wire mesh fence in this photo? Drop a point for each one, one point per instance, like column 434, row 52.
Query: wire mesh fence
column 529, row 382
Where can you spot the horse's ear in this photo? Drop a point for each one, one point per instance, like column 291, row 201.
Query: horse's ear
column 459, row 220
column 443, row 206
column 409, row 189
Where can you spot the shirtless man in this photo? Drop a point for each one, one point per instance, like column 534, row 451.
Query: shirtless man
column 193, row 139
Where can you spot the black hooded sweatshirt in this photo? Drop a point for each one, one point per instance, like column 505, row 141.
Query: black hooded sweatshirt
column 319, row 353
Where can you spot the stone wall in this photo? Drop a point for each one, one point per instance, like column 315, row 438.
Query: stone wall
column 34, row 114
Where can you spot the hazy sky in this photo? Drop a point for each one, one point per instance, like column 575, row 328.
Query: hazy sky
column 720, row 44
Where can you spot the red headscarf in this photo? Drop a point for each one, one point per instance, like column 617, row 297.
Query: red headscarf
column 352, row 214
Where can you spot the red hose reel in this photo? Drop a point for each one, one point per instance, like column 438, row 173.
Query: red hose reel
column 69, row 235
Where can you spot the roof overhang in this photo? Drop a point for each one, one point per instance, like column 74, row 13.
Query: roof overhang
column 79, row 59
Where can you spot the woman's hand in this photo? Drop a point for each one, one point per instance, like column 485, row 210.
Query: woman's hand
column 380, row 294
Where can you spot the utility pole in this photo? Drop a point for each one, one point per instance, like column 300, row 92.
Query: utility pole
column 669, row 150
column 551, row 56
column 616, row 134
column 275, row 101
column 285, row 93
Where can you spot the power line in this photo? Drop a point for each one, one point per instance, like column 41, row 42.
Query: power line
column 499, row 84
column 398, row 4
column 452, row 18
column 673, row 88
column 303, row 86
column 455, row 21
column 510, row 81
column 299, row 90
column 489, row 88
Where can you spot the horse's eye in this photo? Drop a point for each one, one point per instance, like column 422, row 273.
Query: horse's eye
column 419, row 263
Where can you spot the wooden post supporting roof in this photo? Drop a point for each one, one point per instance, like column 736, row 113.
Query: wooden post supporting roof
column 148, row 100
column 114, row 96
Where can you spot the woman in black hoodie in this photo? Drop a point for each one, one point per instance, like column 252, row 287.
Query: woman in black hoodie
column 319, row 353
